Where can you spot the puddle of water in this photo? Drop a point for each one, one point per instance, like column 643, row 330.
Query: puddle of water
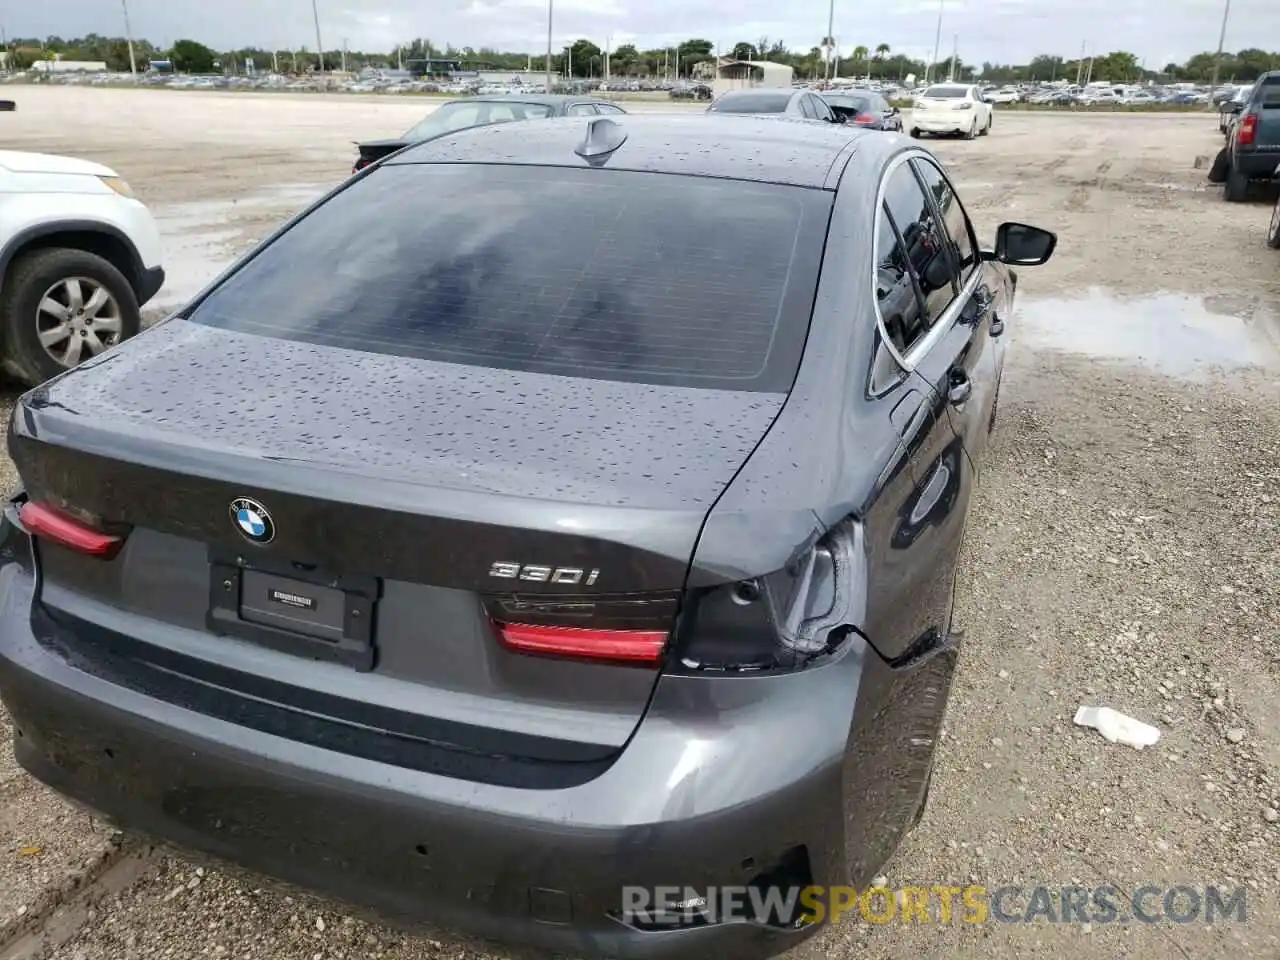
column 1184, row 187
column 1172, row 334
column 200, row 239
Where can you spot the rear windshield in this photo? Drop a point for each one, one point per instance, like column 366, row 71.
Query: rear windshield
column 1269, row 94
column 860, row 104
column 752, row 103
column 473, row 113
column 947, row 93
column 606, row 274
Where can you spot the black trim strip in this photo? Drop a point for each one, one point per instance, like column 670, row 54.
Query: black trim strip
column 371, row 731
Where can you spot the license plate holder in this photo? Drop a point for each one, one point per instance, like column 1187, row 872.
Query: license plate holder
column 294, row 608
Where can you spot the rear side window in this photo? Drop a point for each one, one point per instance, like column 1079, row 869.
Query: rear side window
column 608, row 274
column 897, row 292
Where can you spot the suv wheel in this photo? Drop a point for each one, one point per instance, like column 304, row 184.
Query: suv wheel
column 1237, row 188
column 60, row 306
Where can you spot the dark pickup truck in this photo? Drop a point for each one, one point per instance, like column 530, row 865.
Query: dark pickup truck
column 1253, row 143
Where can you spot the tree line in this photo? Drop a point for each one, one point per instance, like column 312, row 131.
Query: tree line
column 586, row 59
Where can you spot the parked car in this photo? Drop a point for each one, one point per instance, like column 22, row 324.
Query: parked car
column 1253, row 143
column 479, row 547
column 796, row 104
column 79, row 257
column 864, row 108
column 693, row 91
column 481, row 111
column 952, row 108
column 1231, row 107
column 1003, row 95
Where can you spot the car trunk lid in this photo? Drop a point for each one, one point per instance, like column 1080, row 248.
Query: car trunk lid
column 433, row 502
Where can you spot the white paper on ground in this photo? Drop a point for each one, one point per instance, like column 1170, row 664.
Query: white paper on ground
column 1116, row 727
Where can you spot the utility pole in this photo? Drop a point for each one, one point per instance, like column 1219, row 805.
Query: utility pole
column 275, row 62
column 550, row 7
column 608, row 44
column 955, row 48
column 399, row 57
column 1080, row 62
column 831, row 38
column 344, row 54
column 1217, row 60
column 937, row 40
column 315, row 14
column 128, row 35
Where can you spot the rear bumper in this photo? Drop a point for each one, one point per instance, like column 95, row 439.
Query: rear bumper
column 1257, row 164
column 831, row 762
column 939, row 123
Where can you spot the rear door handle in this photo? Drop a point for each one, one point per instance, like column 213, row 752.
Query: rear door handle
column 961, row 387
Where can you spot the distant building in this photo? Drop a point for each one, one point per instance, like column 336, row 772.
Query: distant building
column 70, row 66
column 734, row 74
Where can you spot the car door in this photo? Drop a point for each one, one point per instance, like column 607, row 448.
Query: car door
column 969, row 354
column 917, row 541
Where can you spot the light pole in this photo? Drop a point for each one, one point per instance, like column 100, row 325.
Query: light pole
column 1222, row 38
column 550, row 8
column 315, row 15
column 831, row 30
column 937, row 40
column 128, row 35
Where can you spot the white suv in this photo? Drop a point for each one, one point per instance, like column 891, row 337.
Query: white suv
column 79, row 256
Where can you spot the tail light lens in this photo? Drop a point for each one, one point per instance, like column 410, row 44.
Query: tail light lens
column 620, row 628
column 46, row 522
column 1247, row 130
column 624, row 646
column 864, row 118
column 964, row 106
column 360, row 165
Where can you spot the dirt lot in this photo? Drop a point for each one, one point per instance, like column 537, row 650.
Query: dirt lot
column 1123, row 551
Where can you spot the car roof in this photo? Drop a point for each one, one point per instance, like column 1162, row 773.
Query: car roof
column 551, row 99
column 731, row 146
column 851, row 92
column 752, row 93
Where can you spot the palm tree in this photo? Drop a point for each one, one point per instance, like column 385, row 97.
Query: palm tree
column 859, row 56
column 882, row 51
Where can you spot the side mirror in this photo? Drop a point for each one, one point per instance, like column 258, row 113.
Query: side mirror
column 1022, row 245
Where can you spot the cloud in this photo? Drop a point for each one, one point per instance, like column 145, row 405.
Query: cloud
column 997, row 30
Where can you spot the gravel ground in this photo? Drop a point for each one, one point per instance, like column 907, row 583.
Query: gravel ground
column 1122, row 550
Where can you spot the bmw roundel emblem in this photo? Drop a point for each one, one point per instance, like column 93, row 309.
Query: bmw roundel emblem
column 252, row 520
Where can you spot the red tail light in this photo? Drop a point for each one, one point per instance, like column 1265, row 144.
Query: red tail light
column 360, row 165
column 1248, row 129
column 43, row 521
column 864, row 118
column 588, row 643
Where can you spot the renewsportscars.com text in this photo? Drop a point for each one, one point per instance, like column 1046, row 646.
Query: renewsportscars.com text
column 973, row 904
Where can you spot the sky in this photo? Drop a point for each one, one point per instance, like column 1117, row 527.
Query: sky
column 1000, row 31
